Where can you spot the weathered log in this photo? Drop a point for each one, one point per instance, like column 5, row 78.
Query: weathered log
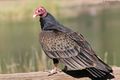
column 44, row 76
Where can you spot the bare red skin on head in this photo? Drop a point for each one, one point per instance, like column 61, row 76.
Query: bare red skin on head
column 40, row 11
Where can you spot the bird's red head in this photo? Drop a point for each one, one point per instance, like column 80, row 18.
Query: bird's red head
column 40, row 11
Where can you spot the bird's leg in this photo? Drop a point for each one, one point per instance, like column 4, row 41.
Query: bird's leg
column 55, row 69
column 65, row 69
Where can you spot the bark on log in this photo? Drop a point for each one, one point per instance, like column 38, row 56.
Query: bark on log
column 44, row 76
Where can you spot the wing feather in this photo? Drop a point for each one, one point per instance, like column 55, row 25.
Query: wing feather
column 59, row 45
column 86, row 49
column 70, row 48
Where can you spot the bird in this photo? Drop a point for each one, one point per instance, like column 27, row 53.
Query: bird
column 62, row 44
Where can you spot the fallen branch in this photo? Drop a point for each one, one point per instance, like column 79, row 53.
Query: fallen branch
column 44, row 76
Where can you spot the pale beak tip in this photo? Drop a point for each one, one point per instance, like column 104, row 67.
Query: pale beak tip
column 34, row 16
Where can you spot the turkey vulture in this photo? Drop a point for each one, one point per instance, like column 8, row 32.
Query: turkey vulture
column 70, row 48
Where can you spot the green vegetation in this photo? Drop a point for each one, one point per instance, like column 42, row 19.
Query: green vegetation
column 19, row 42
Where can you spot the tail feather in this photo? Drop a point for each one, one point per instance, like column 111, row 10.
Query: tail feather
column 96, row 73
column 99, row 74
column 92, row 73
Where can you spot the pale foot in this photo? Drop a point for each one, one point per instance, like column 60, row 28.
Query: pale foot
column 54, row 71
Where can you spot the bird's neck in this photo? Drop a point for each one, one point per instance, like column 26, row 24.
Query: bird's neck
column 48, row 22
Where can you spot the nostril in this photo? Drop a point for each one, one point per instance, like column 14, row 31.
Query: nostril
column 41, row 10
column 38, row 10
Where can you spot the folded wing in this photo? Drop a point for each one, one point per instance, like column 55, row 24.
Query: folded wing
column 70, row 49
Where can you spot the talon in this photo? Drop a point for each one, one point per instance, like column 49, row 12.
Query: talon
column 54, row 71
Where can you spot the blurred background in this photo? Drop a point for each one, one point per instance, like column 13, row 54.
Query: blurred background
column 20, row 51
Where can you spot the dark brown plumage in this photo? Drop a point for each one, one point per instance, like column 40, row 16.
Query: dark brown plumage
column 69, row 47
